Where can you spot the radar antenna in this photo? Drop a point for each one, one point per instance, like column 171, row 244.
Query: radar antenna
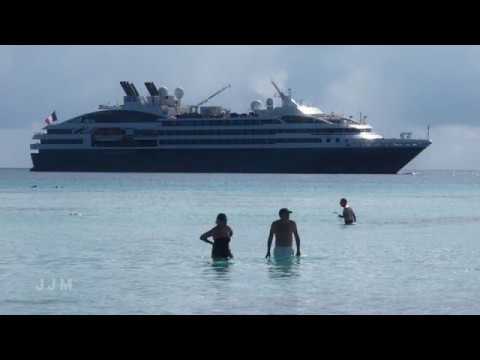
column 213, row 95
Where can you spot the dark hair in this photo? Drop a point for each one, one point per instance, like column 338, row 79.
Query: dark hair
column 284, row 211
column 222, row 217
column 343, row 200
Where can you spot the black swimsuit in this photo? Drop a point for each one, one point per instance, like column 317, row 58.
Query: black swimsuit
column 220, row 249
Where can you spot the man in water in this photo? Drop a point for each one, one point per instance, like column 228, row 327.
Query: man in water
column 348, row 214
column 283, row 229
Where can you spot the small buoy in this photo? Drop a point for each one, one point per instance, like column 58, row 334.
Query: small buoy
column 34, row 186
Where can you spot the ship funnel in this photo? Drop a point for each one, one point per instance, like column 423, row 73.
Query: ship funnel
column 152, row 89
column 132, row 95
column 127, row 88
column 134, row 89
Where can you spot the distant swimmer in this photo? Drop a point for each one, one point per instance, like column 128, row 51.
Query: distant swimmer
column 348, row 214
column 283, row 230
column 221, row 234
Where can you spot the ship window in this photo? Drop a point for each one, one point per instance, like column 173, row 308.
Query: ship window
column 234, row 120
column 108, row 131
column 249, row 131
column 145, row 143
column 215, row 132
column 146, row 132
column 59, row 131
column 299, row 119
column 61, row 141
column 229, row 141
column 122, row 116
column 132, row 143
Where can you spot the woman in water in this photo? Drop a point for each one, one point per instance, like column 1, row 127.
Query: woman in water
column 221, row 235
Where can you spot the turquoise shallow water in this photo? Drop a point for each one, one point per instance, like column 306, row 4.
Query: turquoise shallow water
column 128, row 244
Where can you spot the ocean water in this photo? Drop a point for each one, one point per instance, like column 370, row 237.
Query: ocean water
column 97, row 243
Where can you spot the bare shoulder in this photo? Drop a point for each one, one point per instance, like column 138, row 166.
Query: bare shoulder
column 293, row 223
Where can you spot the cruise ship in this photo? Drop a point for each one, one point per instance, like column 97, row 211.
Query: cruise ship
column 158, row 133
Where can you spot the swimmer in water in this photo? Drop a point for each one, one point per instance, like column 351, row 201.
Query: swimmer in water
column 283, row 230
column 348, row 214
column 221, row 235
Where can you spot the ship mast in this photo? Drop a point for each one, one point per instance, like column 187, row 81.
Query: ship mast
column 213, row 95
column 282, row 95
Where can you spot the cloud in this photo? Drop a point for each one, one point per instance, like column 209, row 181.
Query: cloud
column 6, row 62
column 400, row 88
column 15, row 148
column 453, row 147
column 262, row 86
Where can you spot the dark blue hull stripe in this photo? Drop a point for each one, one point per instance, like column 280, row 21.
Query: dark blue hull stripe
column 295, row 161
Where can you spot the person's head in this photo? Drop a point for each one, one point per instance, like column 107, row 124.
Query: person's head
column 343, row 202
column 221, row 219
column 284, row 214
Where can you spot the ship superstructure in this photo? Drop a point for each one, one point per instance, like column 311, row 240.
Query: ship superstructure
column 159, row 133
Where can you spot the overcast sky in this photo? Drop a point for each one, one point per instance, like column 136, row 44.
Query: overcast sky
column 399, row 88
